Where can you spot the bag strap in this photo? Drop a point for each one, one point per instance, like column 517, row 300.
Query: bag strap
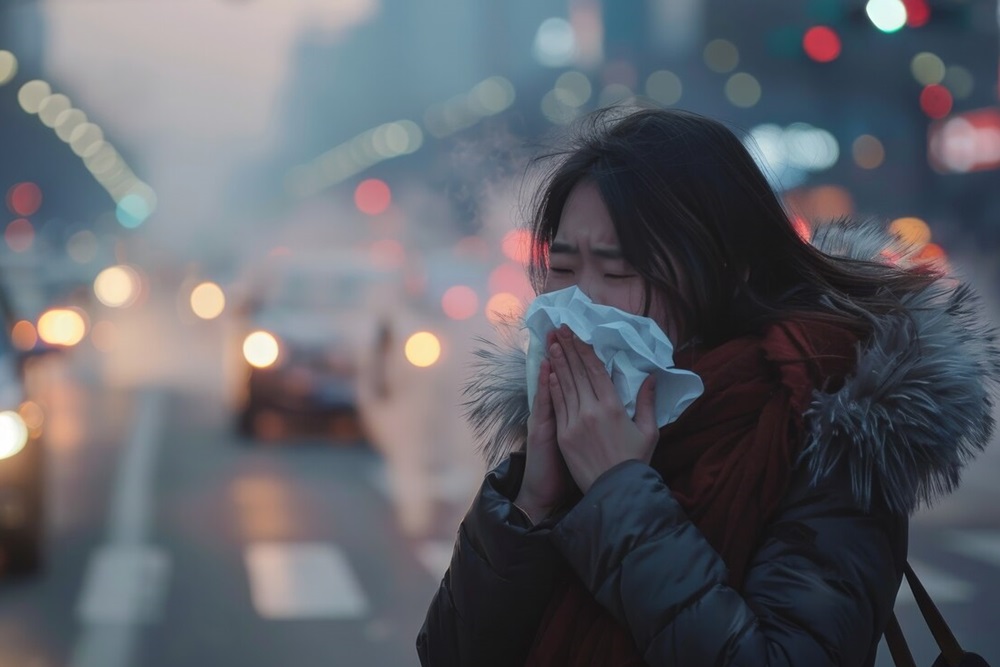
column 950, row 648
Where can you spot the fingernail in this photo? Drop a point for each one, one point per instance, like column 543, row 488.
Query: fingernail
column 555, row 350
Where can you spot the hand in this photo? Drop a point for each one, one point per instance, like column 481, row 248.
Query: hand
column 593, row 430
column 546, row 481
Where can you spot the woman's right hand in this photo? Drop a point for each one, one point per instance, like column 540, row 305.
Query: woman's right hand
column 547, row 481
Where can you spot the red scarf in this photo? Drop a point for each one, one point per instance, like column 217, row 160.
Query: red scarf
column 727, row 460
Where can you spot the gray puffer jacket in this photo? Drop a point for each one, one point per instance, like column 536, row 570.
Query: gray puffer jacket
column 823, row 581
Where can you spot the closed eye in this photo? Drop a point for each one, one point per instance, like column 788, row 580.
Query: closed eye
column 619, row 275
column 564, row 272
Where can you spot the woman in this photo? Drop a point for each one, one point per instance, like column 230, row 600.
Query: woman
column 767, row 525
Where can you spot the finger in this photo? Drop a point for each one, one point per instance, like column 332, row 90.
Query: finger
column 581, row 379
column 645, row 407
column 558, row 401
column 561, row 369
column 543, row 399
column 597, row 373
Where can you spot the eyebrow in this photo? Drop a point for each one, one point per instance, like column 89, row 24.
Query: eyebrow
column 608, row 252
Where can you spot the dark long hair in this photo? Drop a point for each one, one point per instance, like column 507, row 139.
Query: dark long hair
column 687, row 199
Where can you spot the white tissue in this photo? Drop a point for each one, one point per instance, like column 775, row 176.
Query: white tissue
column 630, row 346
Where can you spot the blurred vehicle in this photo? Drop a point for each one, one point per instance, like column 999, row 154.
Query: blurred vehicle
column 310, row 331
column 22, row 460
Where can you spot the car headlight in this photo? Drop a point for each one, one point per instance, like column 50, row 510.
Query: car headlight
column 13, row 434
column 261, row 349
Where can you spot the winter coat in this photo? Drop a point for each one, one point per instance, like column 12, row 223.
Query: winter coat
column 823, row 581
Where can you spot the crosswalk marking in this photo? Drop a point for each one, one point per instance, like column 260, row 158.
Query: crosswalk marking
column 124, row 585
column 981, row 545
column 941, row 586
column 303, row 580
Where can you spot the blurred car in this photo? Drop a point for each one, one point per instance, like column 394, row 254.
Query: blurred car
column 22, row 465
column 309, row 332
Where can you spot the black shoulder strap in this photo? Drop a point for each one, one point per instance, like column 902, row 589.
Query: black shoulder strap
column 950, row 648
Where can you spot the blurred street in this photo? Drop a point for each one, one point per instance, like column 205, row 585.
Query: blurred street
column 250, row 248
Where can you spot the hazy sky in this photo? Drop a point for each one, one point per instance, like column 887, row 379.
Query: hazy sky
column 188, row 86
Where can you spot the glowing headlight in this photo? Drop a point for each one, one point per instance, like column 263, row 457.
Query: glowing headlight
column 13, row 434
column 260, row 349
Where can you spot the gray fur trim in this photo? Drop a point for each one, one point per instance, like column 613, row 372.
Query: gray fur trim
column 497, row 395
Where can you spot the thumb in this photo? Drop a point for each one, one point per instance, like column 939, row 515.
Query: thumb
column 645, row 406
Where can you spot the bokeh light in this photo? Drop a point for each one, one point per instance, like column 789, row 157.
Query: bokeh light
column 911, row 231
column 84, row 137
column 555, row 43
column 62, row 326
column 33, row 416
column 19, row 235
column 918, row 13
column 50, row 108
column 117, row 286
column 868, row 152
column 31, row 94
column 664, row 87
column 821, row 44
column 67, row 122
column 372, row 196
column 24, row 199
column 573, row 89
column 133, row 210
column 516, row 245
column 460, row 302
column 959, row 81
column 743, row 90
column 8, row 67
column 387, row 253
column 935, row 101
column 721, row 56
column 503, row 306
column 208, row 300
column 260, row 349
column 23, row 335
column 886, row 15
column 927, row 68
column 614, row 93
column 13, row 434
column 422, row 349
column 82, row 246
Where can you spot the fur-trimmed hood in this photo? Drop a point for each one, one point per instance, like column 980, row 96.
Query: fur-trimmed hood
column 917, row 408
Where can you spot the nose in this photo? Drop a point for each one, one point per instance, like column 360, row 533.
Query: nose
column 590, row 285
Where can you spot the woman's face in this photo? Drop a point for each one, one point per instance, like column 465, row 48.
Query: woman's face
column 585, row 252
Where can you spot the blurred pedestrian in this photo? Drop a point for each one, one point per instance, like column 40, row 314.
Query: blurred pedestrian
column 844, row 385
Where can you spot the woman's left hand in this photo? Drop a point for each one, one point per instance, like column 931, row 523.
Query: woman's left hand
column 593, row 430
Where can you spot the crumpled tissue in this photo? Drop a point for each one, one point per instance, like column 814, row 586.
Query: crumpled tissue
column 631, row 347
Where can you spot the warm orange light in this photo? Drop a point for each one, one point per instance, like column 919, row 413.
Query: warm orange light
column 503, row 306
column 911, row 231
column 460, row 302
column 423, row 349
column 62, row 326
column 516, row 245
column 208, row 301
column 868, row 152
column 931, row 252
column 260, row 349
column 117, row 286
column 23, row 335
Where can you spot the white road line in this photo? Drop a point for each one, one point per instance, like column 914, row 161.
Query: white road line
column 124, row 585
column 303, row 580
column 981, row 545
column 435, row 555
column 126, row 578
column 941, row 586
